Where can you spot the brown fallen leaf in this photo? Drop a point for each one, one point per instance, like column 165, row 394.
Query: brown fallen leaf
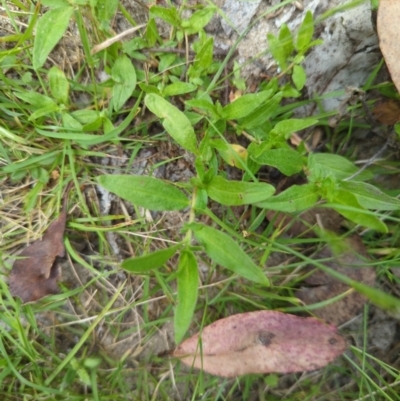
column 262, row 342
column 35, row 274
column 320, row 286
column 387, row 112
column 388, row 25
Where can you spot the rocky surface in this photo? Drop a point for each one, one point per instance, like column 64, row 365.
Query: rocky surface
column 348, row 55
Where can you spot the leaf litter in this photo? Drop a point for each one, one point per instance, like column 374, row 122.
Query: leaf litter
column 320, row 286
column 262, row 342
column 388, row 31
column 36, row 271
column 349, row 258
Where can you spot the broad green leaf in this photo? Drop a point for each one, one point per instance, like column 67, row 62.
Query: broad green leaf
column 277, row 50
column 44, row 111
column 201, row 199
column 203, row 59
column 92, row 363
column 124, row 75
column 149, row 88
column 193, row 117
column 91, row 120
column 166, row 61
column 148, row 192
column 299, row 77
column 94, row 125
column 131, row 48
column 321, row 165
column 286, row 160
column 49, row 30
column 289, row 92
column 262, row 114
column 35, row 99
column 244, row 105
column 178, row 88
column 217, row 128
column 86, row 116
column 234, row 154
column 360, row 215
column 169, row 15
column 205, row 105
column 150, row 261
column 174, row 121
column 71, row 123
column 306, row 32
column 294, row 199
column 370, row 196
column 105, row 11
column 40, row 174
column 59, row 85
column 257, row 149
column 187, row 283
column 152, row 35
column 84, row 376
column 286, row 127
column 55, row 3
column 200, row 169
column 233, row 193
column 198, row 20
column 223, row 250
column 108, row 126
column 313, row 43
column 286, row 41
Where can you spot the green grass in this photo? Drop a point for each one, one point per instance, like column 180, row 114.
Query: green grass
column 107, row 335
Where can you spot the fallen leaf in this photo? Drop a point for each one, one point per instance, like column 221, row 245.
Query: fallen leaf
column 35, row 273
column 262, row 342
column 387, row 112
column 388, row 25
column 320, row 286
column 234, row 95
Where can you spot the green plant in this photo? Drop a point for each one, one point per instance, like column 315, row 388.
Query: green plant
column 332, row 180
column 62, row 123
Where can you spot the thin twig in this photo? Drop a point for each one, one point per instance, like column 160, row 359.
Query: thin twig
column 115, row 39
column 372, row 159
column 217, row 53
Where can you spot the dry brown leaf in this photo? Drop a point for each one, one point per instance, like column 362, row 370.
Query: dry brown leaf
column 388, row 25
column 262, row 342
column 321, row 286
column 35, row 274
column 387, row 112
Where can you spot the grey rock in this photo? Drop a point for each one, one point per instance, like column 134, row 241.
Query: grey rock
column 348, row 55
column 239, row 15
